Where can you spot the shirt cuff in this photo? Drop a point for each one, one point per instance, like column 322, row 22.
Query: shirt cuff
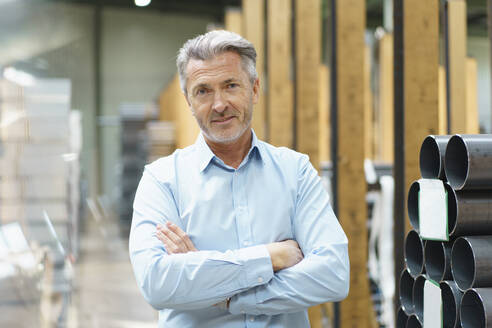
column 258, row 271
column 257, row 263
column 243, row 303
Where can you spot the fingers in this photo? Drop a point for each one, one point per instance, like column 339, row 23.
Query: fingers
column 174, row 239
column 171, row 248
column 182, row 236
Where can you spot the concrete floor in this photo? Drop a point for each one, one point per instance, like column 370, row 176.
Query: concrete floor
column 105, row 292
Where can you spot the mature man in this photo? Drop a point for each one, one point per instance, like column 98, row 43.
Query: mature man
column 231, row 231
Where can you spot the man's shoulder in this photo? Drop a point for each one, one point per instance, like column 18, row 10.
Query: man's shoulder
column 282, row 155
column 164, row 168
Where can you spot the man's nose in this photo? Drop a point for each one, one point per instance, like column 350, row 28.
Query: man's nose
column 220, row 103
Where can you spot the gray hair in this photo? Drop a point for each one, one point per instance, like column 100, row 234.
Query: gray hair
column 214, row 43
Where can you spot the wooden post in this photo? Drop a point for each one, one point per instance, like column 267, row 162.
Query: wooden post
column 173, row 107
column 421, row 33
column 456, row 68
column 350, row 183
column 324, row 113
column 416, row 53
column 443, row 116
column 368, row 106
column 472, row 124
column 385, row 134
column 167, row 111
column 308, row 60
column 254, row 31
column 233, row 20
column 280, row 87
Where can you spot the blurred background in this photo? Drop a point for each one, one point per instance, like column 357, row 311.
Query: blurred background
column 89, row 95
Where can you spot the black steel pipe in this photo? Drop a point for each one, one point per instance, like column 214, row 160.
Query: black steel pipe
column 469, row 212
column 405, row 288
column 476, row 308
column 401, row 318
column 468, row 161
column 471, row 262
column 414, row 253
column 418, row 297
column 431, row 158
column 451, row 302
column 413, row 205
column 437, row 255
column 413, row 322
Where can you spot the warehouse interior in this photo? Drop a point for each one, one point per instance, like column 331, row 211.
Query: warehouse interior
column 89, row 94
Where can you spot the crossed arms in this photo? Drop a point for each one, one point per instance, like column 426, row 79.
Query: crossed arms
column 283, row 254
column 264, row 279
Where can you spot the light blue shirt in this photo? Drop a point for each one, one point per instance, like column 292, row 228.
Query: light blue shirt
column 230, row 214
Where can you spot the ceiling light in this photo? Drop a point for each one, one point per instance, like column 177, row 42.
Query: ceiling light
column 142, row 3
column 18, row 76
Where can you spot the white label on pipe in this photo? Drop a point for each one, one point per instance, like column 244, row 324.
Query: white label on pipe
column 432, row 305
column 433, row 210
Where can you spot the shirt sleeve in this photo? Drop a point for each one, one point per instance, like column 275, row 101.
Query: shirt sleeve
column 323, row 275
column 192, row 280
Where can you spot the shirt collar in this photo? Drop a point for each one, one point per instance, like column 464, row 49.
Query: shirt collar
column 205, row 154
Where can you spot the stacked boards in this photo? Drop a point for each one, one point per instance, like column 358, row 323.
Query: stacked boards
column 39, row 164
column 448, row 278
column 40, row 145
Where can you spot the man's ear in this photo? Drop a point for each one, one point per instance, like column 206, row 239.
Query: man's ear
column 256, row 90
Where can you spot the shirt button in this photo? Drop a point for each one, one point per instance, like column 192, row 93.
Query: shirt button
column 260, row 279
column 246, row 243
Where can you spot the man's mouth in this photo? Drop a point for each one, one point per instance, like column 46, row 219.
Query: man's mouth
column 223, row 120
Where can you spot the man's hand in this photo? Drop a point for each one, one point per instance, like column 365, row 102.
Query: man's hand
column 284, row 254
column 174, row 239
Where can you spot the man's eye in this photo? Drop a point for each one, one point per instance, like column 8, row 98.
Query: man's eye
column 201, row 92
column 232, row 85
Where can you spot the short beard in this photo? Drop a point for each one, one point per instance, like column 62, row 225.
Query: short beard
column 229, row 139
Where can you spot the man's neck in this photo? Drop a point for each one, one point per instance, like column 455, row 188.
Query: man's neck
column 233, row 153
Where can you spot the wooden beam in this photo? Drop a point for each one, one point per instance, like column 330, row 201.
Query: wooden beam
column 368, row 106
column 472, row 121
column 280, row 87
column 350, row 180
column 166, row 107
column 385, row 118
column 308, row 60
column 421, row 65
column 324, row 113
column 456, row 70
column 416, row 53
column 443, row 116
column 233, row 20
column 254, row 31
column 315, row 314
column 173, row 107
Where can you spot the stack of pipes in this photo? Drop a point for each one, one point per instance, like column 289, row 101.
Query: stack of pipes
column 461, row 263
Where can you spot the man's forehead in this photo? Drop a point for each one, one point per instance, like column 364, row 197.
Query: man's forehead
column 224, row 66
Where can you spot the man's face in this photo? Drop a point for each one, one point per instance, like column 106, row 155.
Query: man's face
column 221, row 96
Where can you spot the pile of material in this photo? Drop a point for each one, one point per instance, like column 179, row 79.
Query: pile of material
column 447, row 281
